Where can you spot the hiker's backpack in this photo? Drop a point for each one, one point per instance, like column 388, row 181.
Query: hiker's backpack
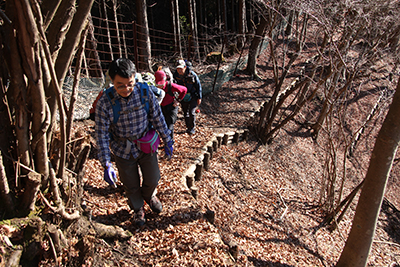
column 168, row 73
column 175, row 95
column 144, row 96
column 148, row 78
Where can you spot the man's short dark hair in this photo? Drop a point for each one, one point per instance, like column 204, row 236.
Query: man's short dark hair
column 123, row 67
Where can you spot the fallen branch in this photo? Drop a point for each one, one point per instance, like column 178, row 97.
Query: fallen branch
column 286, row 207
column 110, row 231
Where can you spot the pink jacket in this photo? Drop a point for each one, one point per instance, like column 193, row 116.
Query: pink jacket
column 168, row 99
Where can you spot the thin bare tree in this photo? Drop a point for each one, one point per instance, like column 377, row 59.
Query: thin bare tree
column 144, row 44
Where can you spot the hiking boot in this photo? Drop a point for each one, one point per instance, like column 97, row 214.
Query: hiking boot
column 140, row 217
column 155, row 204
column 191, row 131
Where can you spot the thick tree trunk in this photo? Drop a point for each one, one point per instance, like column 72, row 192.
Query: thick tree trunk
column 59, row 26
column 48, row 9
column 71, row 39
column 33, row 181
column 7, row 130
column 17, row 93
column 30, row 47
column 358, row 245
column 253, row 50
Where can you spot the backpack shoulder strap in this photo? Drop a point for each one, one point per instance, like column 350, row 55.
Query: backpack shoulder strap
column 114, row 103
column 169, row 86
column 144, row 96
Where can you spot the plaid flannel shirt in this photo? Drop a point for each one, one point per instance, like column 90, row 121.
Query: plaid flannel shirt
column 131, row 124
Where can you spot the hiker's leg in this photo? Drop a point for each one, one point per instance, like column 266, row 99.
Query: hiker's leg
column 151, row 175
column 170, row 114
column 174, row 117
column 192, row 114
column 130, row 178
column 185, row 109
column 166, row 110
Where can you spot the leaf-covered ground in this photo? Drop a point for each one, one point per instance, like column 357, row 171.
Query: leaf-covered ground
column 266, row 199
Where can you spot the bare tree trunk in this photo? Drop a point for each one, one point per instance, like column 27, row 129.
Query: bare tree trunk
column 358, row 245
column 233, row 17
column 176, row 26
column 253, row 50
column 30, row 42
column 325, row 105
column 108, row 30
column 117, row 27
column 219, row 13
column 48, row 9
column 224, row 17
column 57, row 29
column 71, row 40
column 125, row 54
column 59, row 26
column 93, row 59
column 6, row 120
column 241, row 24
column 196, row 34
column 144, row 36
column 33, row 181
column 193, row 28
column 75, row 87
column 267, row 115
column 18, row 94
column 5, row 189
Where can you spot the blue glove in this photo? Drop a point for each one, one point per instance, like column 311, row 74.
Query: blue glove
column 109, row 175
column 168, row 148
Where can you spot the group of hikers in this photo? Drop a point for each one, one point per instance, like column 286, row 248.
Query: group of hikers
column 130, row 117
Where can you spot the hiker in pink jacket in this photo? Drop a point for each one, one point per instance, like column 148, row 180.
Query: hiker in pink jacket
column 174, row 93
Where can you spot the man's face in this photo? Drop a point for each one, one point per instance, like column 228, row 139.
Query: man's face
column 181, row 71
column 124, row 86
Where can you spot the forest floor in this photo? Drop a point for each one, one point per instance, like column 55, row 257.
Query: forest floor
column 266, row 199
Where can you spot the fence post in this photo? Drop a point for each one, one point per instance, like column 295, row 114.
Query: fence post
column 219, row 63
column 135, row 49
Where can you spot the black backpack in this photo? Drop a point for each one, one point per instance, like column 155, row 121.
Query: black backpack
column 169, row 90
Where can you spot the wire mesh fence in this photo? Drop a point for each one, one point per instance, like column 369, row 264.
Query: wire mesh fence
column 110, row 39
column 89, row 87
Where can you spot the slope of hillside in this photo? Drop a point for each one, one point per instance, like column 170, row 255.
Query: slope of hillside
column 265, row 198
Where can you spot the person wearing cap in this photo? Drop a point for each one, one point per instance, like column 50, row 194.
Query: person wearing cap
column 119, row 138
column 174, row 93
column 184, row 75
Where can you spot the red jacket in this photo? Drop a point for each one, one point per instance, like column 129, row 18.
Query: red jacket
column 168, row 99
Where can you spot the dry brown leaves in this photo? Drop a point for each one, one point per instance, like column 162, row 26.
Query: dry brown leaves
column 265, row 199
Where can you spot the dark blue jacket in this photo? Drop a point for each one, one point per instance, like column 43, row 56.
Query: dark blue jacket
column 191, row 81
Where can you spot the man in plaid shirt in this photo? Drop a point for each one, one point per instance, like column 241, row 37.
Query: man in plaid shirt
column 133, row 123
